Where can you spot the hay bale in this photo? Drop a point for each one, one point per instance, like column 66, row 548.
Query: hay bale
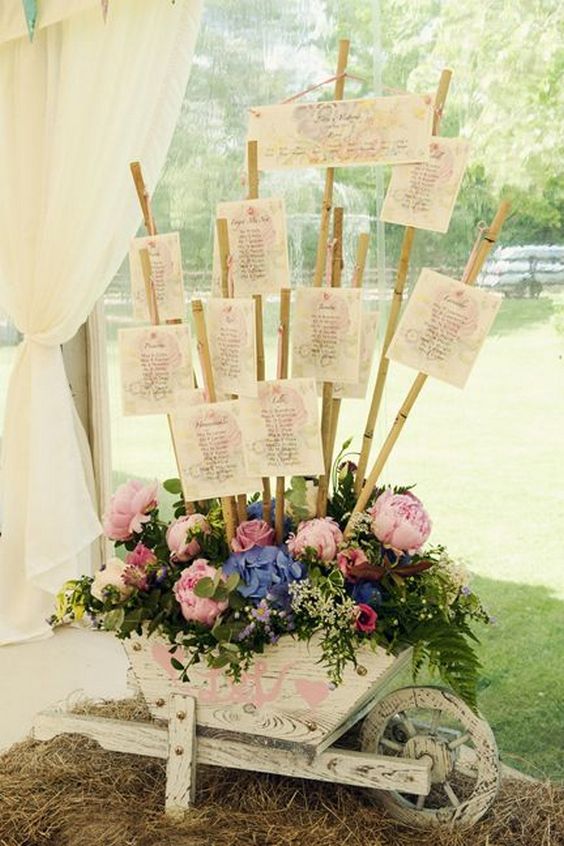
column 70, row 792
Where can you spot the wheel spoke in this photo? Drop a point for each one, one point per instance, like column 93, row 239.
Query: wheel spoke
column 453, row 798
column 410, row 728
column 420, row 804
column 435, row 720
column 459, row 741
column 391, row 744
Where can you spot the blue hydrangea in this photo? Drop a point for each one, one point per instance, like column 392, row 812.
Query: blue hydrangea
column 365, row 592
column 263, row 569
column 254, row 512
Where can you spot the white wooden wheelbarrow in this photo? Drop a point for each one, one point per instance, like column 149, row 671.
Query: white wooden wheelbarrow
column 423, row 752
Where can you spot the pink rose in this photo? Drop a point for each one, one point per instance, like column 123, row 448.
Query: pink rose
column 252, row 533
column 322, row 534
column 128, row 509
column 348, row 559
column 110, row 576
column 400, row 521
column 365, row 619
column 197, row 608
column 181, row 547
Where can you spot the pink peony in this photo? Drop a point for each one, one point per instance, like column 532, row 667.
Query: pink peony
column 348, row 559
column 128, row 509
column 252, row 533
column 365, row 619
column 322, row 534
column 181, row 547
column 110, row 576
column 400, row 521
column 196, row 608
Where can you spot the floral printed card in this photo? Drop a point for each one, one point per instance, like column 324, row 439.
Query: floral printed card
column 423, row 194
column 282, row 433
column 385, row 130
column 369, row 331
column 166, row 275
column 443, row 327
column 326, row 334
column 231, row 337
column 156, row 369
column 209, row 445
column 258, row 245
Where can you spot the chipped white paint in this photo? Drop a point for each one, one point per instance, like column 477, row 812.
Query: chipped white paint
column 334, row 765
column 181, row 760
column 285, row 698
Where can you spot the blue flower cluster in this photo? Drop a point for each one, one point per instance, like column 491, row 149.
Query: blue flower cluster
column 263, row 570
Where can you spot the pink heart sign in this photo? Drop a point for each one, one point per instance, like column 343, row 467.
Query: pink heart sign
column 312, row 692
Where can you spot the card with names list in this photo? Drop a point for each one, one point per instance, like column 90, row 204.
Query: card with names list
column 156, row 369
column 368, row 335
column 258, row 245
column 443, row 327
column 423, row 195
column 166, row 275
column 334, row 133
column 209, row 446
column 282, row 433
column 325, row 334
column 231, row 338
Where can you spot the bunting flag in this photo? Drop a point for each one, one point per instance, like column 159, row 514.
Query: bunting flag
column 105, row 4
column 30, row 12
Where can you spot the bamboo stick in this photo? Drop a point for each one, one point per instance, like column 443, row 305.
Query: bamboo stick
column 252, row 194
column 150, row 292
column 393, row 317
column 356, row 282
column 143, row 196
column 328, row 407
column 261, row 375
column 227, row 503
column 223, row 245
column 239, row 504
column 252, row 170
column 342, row 60
column 480, row 251
column 282, row 373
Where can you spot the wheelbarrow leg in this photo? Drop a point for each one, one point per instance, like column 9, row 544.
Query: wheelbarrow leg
column 181, row 763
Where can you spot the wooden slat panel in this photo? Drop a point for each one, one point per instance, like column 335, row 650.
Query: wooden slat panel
column 284, row 699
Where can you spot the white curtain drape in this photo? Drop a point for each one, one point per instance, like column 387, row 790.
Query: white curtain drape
column 76, row 106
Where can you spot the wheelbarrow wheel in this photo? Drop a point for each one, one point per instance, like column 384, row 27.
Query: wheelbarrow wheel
column 419, row 722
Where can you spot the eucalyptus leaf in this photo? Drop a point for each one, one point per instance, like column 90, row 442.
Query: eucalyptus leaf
column 113, row 620
column 173, row 486
column 204, row 588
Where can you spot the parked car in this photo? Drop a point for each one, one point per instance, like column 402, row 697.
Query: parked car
column 524, row 271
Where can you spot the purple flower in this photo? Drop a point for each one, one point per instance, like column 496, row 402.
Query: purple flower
column 261, row 569
column 261, row 612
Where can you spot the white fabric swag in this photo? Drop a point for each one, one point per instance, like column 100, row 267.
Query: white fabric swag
column 76, row 106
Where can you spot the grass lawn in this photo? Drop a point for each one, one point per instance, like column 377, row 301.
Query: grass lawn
column 488, row 466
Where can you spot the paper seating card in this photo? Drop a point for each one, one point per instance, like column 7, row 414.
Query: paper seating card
column 156, row 369
column 282, row 434
column 369, row 331
column 443, row 327
column 423, row 195
column 231, row 337
column 326, row 334
column 258, row 245
column 209, row 446
column 166, row 275
column 385, row 130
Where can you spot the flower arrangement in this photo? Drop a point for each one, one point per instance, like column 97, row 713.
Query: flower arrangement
column 222, row 604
